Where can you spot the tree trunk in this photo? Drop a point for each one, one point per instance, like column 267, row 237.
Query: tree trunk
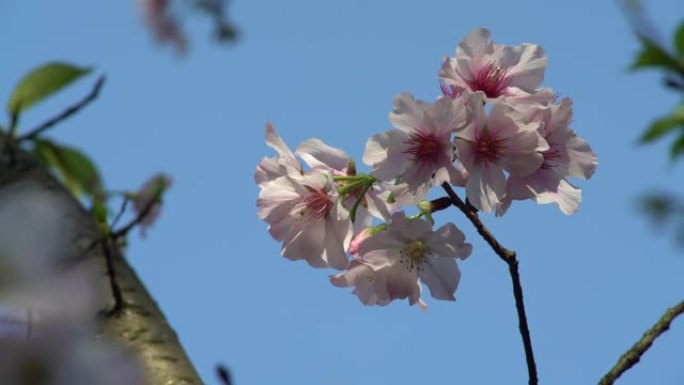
column 140, row 325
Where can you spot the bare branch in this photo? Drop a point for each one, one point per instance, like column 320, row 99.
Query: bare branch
column 511, row 260
column 633, row 355
column 34, row 133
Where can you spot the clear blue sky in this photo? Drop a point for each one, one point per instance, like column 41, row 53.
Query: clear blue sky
column 593, row 282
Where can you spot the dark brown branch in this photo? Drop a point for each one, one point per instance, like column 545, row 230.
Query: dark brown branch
column 511, row 260
column 111, row 274
column 223, row 375
column 121, row 212
column 34, row 133
column 633, row 355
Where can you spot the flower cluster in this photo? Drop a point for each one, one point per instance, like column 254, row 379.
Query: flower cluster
column 494, row 131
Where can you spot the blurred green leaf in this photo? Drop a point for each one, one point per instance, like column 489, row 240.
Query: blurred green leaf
column 664, row 125
column 677, row 148
column 679, row 40
column 652, row 55
column 41, row 83
column 77, row 171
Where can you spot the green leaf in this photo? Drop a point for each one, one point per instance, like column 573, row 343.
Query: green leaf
column 41, row 83
column 677, row 148
column 679, row 40
column 664, row 125
column 652, row 55
column 76, row 170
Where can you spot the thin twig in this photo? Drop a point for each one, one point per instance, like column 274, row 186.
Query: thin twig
column 34, row 133
column 511, row 260
column 113, row 283
column 633, row 355
column 121, row 212
column 224, row 375
column 122, row 232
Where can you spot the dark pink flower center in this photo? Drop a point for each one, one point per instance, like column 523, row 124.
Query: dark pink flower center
column 491, row 79
column 425, row 147
column 488, row 148
column 552, row 158
column 316, row 204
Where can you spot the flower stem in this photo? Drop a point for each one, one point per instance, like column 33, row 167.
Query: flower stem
column 511, row 260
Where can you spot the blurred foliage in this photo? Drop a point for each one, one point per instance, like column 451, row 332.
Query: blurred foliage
column 670, row 60
column 663, row 209
column 42, row 82
column 78, row 173
column 224, row 29
column 73, row 167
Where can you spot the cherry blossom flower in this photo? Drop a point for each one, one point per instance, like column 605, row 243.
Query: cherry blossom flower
column 390, row 262
column 147, row 200
column 320, row 156
column 163, row 24
column 496, row 71
column 492, row 143
column 567, row 156
column 419, row 152
column 306, row 214
column 274, row 167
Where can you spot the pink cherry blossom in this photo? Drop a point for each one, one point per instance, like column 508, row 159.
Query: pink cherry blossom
column 391, row 262
column 419, row 152
column 320, row 156
column 490, row 144
column 567, row 156
column 150, row 194
column 496, row 71
column 306, row 214
column 163, row 24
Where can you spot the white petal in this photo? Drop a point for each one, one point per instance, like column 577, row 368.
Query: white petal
column 276, row 142
column 407, row 113
column 449, row 242
column 582, row 160
column 568, row 198
column 441, row 276
column 486, row 187
column 522, row 155
column 307, row 244
column 475, row 44
column 528, row 72
column 317, row 154
column 384, row 152
column 402, row 284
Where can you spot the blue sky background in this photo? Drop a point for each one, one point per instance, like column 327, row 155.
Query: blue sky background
column 593, row 281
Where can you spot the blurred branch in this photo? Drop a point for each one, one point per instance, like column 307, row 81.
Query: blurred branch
column 34, row 133
column 511, row 260
column 633, row 355
column 224, row 375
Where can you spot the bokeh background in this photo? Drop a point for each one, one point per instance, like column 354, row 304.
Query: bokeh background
column 593, row 281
